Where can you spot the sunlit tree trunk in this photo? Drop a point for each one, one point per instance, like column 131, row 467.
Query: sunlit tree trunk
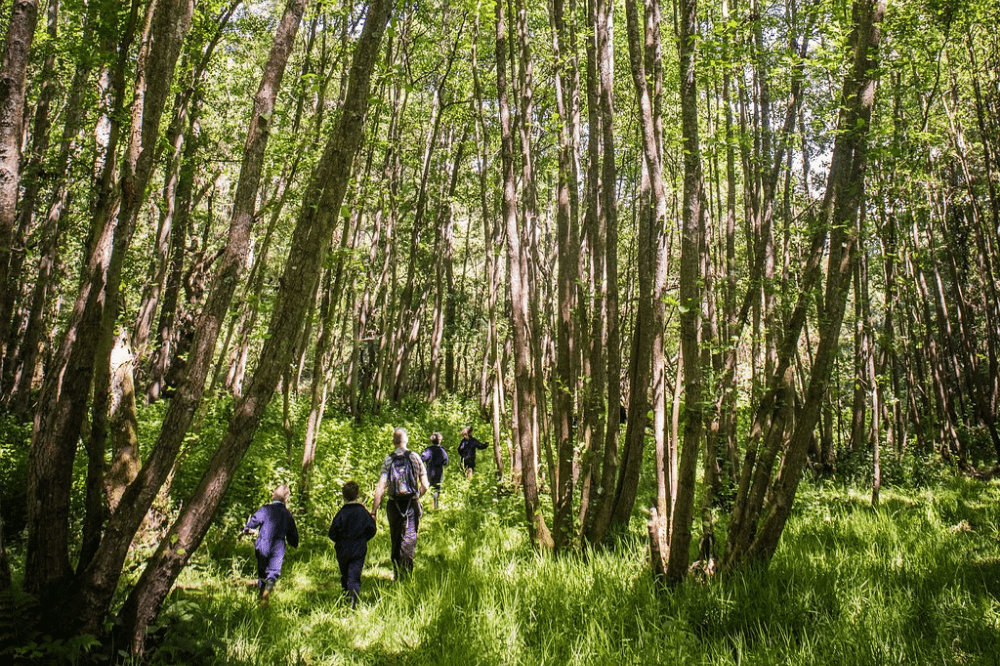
column 837, row 217
column 99, row 580
column 646, row 368
column 311, row 238
column 13, row 83
column 568, row 249
column 690, row 297
column 62, row 405
column 524, row 332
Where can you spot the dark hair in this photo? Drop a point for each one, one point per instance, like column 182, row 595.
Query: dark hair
column 351, row 491
column 436, row 438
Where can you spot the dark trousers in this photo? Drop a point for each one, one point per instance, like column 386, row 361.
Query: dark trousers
column 404, row 519
column 350, row 576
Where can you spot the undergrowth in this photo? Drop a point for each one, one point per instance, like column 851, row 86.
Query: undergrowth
column 915, row 581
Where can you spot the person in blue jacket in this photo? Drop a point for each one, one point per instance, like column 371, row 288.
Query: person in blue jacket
column 276, row 526
column 467, row 450
column 435, row 458
column 351, row 530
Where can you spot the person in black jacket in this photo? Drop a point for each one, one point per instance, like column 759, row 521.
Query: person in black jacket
column 435, row 458
column 351, row 530
column 467, row 450
column 276, row 525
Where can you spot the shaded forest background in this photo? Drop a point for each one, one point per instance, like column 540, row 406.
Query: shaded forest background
column 704, row 246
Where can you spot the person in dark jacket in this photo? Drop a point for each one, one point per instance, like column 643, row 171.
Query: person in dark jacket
column 351, row 530
column 435, row 458
column 403, row 508
column 467, row 450
column 276, row 526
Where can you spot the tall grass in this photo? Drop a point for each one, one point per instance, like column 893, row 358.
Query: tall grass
column 916, row 581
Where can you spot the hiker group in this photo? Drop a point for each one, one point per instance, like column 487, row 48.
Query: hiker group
column 404, row 479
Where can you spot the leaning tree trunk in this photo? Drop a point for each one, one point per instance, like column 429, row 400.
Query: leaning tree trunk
column 62, row 404
column 311, row 237
column 99, row 581
column 838, row 216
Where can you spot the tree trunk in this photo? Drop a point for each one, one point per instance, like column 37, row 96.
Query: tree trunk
column 13, row 82
column 62, row 405
column 690, row 297
column 646, row 368
column 98, row 583
column 568, row 250
column 843, row 199
column 311, row 237
column 524, row 333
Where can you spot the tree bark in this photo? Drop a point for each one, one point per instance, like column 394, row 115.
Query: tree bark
column 94, row 592
column 62, row 405
column 838, row 215
column 521, row 317
column 311, row 237
column 13, row 84
column 568, row 251
column 693, row 229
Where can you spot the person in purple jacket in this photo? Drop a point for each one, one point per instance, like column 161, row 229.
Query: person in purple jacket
column 276, row 526
column 435, row 458
column 351, row 530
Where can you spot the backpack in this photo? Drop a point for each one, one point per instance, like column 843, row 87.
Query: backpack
column 402, row 476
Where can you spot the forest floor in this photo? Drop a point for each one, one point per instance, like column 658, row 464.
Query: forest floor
column 916, row 581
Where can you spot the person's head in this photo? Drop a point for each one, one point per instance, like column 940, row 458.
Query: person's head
column 466, row 432
column 436, row 438
column 351, row 491
column 400, row 438
column 281, row 493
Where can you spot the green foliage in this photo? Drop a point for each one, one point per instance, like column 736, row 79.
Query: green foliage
column 21, row 643
column 916, row 581
column 15, row 439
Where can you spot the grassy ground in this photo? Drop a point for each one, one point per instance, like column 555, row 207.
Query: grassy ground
column 915, row 582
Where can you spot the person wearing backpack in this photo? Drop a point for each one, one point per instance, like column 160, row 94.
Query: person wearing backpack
column 467, row 450
column 404, row 480
column 435, row 458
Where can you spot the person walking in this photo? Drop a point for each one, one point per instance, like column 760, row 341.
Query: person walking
column 351, row 530
column 275, row 525
column 467, row 450
column 435, row 458
column 404, row 479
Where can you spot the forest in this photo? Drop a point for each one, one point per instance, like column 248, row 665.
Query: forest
column 715, row 281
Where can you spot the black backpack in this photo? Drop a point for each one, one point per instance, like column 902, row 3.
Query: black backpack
column 402, row 476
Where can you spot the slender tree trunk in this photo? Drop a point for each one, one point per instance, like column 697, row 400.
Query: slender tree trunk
column 62, row 405
column 690, row 297
column 98, row 583
column 568, row 248
column 20, row 382
column 312, row 235
column 843, row 199
column 647, row 364
column 13, row 82
column 521, row 318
